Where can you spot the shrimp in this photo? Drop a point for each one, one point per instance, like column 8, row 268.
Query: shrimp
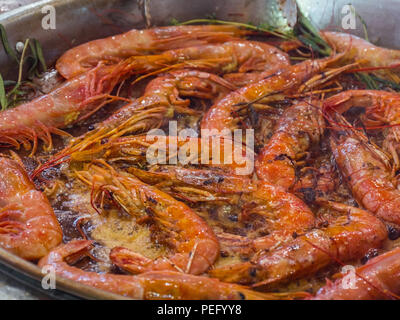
column 382, row 109
column 219, row 174
column 225, row 113
column 369, row 55
column 158, row 103
column 211, row 184
column 141, row 42
column 376, row 280
column 243, row 56
column 368, row 173
column 72, row 101
column 285, row 214
column 28, row 226
column 347, row 238
column 194, row 242
column 162, row 285
column 299, row 127
column 80, row 97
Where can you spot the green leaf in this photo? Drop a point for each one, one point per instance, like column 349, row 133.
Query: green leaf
column 174, row 22
column 309, row 35
column 34, row 59
column 3, row 98
column 4, row 39
column 40, row 56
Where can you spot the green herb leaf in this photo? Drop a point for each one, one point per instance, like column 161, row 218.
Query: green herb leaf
column 309, row 35
column 4, row 39
column 40, row 56
column 174, row 22
column 34, row 58
column 3, row 98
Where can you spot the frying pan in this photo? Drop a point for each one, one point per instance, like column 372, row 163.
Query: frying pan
column 78, row 21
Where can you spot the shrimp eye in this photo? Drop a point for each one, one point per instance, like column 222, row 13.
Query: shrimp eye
column 393, row 232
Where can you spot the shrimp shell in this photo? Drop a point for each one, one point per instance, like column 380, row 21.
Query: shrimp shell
column 28, row 226
column 141, row 42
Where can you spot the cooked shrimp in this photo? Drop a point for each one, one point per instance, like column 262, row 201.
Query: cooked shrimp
column 243, row 56
column 28, row 226
column 207, row 176
column 194, row 242
column 349, row 237
column 160, row 285
column 195, row 184
column 141, row 42
column 357, row 49
column 283, row 214
column 141, row 149
column 225, row 113
column 382, row 110
column 299, row 127
column 81, row 96
column 160, row 100
column 70, row 102
column 376, row 280
column 368, row 173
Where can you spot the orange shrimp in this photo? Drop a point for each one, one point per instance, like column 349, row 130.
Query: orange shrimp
column 242, row 56
column 158, row 103
column 155, row 285
column 194, row 184
column 376, row 280
column 194, row 242
column 28, row 226
column 368, row 173
column 299, row 127
column 283, row 215
column 80, row 97
column 382, row 110
column 283, row 212
column 68, row 103
column 358, row 49
column 348, row 237
column 227, row 172
column 141, row 42
column 224, row 114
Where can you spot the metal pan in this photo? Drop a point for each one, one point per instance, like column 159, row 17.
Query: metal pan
column 78, row 21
